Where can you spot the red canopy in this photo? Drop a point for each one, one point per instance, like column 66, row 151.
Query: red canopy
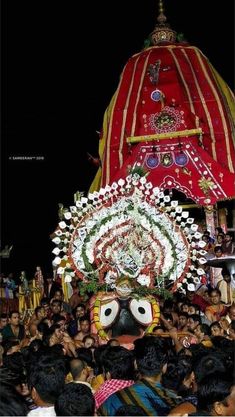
column 173, row 115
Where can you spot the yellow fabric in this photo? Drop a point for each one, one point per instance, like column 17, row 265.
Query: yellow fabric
column 95, row 186
column 221, row 110
column 2, row 293
column 226, row 291
column 228, row 94
column 97, row 381
column 36, row 295
column 207, row 343
column 65, row 289
column 68, row 378
column 22, row 304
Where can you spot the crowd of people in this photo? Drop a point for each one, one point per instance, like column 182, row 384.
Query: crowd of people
column 52, row 364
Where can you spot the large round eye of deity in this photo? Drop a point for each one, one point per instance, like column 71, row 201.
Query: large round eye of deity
column 108, row 313
column 141, row 311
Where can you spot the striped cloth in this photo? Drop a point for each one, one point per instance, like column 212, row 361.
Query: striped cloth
column 153, row 398
column 110, row 387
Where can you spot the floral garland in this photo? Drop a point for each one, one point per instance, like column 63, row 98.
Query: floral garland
column 96, row 318
column 129, row 228
column 156, row 316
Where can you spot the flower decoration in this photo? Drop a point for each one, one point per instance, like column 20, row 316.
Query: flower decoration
column 168, row 120
column 206, row 184
column 143, row 280
column 129, row 228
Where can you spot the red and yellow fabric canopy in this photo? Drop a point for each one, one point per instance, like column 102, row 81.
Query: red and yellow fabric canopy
column 173, row 115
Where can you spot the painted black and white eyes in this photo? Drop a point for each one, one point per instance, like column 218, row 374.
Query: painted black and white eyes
column 109, row 313
column 141, row 311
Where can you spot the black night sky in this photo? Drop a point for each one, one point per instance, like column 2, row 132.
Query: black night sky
column 61, row 63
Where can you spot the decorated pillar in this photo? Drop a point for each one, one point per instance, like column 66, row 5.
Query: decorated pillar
column 210, row 220
column 222, row 215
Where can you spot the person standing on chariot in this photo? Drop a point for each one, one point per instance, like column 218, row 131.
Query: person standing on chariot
column 38, row 287
column 24, row 294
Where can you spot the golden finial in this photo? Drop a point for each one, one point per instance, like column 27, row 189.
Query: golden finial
column 161, row 17
column 162, row 32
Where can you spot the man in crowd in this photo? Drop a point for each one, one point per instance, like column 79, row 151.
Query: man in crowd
column 75, row 400
column 118, row 364
column 80, row 372
column 13, row 329
column 46, row 380
column 147, row 392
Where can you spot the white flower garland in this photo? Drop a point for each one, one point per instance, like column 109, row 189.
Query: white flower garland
column 129, row 228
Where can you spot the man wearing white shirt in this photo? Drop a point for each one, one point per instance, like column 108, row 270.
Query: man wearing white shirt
column 46, row 380
column 80, row 372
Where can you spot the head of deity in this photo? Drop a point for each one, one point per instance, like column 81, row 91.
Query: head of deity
column 124, row 287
